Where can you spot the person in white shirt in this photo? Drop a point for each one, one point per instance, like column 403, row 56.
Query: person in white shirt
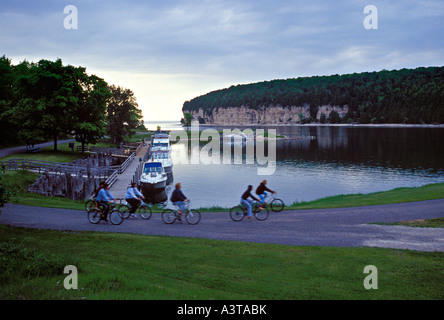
column 133, row 196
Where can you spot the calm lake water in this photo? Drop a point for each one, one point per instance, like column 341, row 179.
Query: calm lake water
column 320, row 161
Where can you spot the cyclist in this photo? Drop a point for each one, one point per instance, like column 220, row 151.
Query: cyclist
column 133, row 196
column 178, row 198
column 247, row 202
column 261, row 191
column 104, row 197
column 96, row 193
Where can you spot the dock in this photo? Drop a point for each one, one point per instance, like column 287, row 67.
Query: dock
column 118, row 188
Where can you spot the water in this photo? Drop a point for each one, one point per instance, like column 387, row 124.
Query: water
column 320, row 161
column 165, row 125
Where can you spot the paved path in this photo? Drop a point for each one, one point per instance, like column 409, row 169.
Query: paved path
column 349, row 227
column 9, row 151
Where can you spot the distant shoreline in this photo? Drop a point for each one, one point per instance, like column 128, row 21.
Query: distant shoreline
column 379, row 125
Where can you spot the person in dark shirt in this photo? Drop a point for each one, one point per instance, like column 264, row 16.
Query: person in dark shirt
column 178, row 198
column 247, row 202
column 261, row 191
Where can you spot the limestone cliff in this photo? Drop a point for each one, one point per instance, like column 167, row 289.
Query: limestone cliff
column 265, row 115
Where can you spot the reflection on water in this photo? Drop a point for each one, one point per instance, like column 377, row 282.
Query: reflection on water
column 319, row 161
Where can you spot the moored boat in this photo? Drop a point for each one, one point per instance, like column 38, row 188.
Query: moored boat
column 163, row 157
column 153, row 177
column 160, row 142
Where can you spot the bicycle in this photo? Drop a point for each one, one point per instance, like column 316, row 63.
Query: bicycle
column 237, row 213
column 95, row 215
column 90, row 204
column 276, row 204
column 144, row 210
column 192, row 216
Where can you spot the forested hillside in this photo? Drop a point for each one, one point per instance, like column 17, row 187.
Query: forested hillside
column 398, row 96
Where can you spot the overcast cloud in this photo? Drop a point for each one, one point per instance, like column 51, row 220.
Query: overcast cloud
column 168, row 52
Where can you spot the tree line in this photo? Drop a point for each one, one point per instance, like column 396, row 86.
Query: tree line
column 47, row 100
column 399, row 96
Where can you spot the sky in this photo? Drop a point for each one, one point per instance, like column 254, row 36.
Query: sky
column 168, row 52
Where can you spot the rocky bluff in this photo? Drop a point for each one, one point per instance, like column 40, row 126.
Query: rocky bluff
column 265, row 115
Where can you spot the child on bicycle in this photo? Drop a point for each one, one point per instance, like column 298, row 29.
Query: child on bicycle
column 104, row 197
column 247, row 202
column 261, row 191
column 178, row 198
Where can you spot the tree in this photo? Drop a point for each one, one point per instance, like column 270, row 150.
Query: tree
column 7, row 78
column 123, row 114
column 186, row 120
column 5, row 192
column 48, row 95
column 334, row 117
column 90, row 118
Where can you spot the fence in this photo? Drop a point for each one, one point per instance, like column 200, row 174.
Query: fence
column 139, row 169
column 125, row 150
column 78, row 179
column 56, row 167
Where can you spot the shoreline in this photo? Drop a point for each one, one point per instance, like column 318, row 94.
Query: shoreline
column 379, row 125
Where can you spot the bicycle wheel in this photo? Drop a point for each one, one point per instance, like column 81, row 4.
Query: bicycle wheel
column 277, row 205
column 115, row 217
column 145, row 212
column 255, row 207
column 125, row 211
column 237, row 213
column 262, row 214
column 193, row 216
column 168, row 216
column 94, row 216
column 90, row 204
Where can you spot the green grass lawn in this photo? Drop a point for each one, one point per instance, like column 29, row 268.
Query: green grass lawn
column 420, row 223
column 124, row 266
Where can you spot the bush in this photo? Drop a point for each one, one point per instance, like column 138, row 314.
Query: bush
column 17, row 261
column 5, row 192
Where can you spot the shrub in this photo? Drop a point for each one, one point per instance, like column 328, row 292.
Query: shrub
column 17, row 261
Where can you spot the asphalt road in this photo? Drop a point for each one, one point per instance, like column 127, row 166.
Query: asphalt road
column 349, row 227
column 9, row 151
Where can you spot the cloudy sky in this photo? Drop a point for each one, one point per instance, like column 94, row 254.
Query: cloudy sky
column 171, row 51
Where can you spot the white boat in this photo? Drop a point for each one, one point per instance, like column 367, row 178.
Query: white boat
column 160, row 145
column 153, row 178
column 160, row 142
column 163, row 157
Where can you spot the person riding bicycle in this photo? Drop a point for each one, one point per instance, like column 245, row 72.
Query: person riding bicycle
column 104, row 197
column 96, row 193
column 133, row 196
column 261, row 191
column 247, row 202
column 178, row 198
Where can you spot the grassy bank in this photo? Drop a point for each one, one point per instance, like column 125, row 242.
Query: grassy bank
column 21, row 179
column 399, row 195
column 123, row 266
